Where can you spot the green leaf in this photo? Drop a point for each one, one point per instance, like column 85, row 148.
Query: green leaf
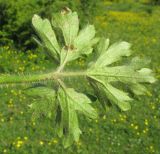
column 102, row 46
column 75, row 53
column 138, row 63
column 68, row 22
column 100, row 94
column 44, row 102
column 112, row 54
column 125, row 74
column 84, row 37
column 120, row 98
column 138, row 89
column 103, row 76
column 42, row 92
column 47, row 35
column 69, row 121
column 82, row 103
column 76, row 44
column 70, row 102
column 65, row 104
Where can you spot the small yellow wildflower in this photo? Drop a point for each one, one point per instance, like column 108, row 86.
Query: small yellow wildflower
column 19, row 143
column 55, row 141
column 25, row 138
column 41, row 142
column 96, row 121
column 4, row 150
column 136, row 127
column 146, row 122
column 144, row 131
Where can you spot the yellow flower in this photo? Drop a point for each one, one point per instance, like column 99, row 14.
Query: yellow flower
column 55, row 141
column 25, row 138
column 4, row 150
column 136, row 127
column 96, row 121
column 19, row 143
column 144, row 131
column 146, row 122
column 41, row 142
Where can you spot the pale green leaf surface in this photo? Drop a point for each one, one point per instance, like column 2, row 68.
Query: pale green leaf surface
column 47, row 35
column 114, row 53
column 70, row 102
column 82, row 103
column 138, row 89
column 76, row 44
column 44, row 102
column 69, row 121
column 118, row 97
column 84, row 37
column 69, row 24
column 102, row 46
column 125, row 74
column 43, row 92
column 65, row 103
column 138, row 63
column 73, row 54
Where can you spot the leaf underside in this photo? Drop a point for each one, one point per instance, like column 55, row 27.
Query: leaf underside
column 66, row 104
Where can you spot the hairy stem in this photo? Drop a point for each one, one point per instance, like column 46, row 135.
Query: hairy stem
column 35, row 78
column 7, row 79
column 63, row 63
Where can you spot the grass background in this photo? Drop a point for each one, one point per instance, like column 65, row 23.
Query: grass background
column 134, row 132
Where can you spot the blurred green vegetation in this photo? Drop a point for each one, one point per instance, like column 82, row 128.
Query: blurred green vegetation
column 135, row 132
column 16, row 15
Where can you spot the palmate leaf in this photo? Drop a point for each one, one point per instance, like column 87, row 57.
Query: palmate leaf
column 68, row 22
column 47, row 35
column 76, row 43
column 114, row 53
column 103, row 73
column 44, row 103
column 70, row 102
column 132, row 74
column 120, row 98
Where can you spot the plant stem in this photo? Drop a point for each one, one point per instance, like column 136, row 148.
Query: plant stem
column 7, row 79
column 63, row 63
